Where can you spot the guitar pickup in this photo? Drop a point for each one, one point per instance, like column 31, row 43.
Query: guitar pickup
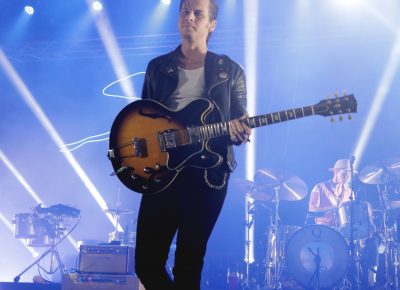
column 140, row 147
column 167, row 140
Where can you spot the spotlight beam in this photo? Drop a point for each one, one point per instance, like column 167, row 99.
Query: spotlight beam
column 251, row 18
column 388, row 76
column 251, row 33
column 10, row 227
column 47, row 125
column 107, row 36
column 19, row 177
column 28, row 188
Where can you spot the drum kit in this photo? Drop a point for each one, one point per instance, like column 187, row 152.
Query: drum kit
column 317, row 256
column 46, row 227
column 127, row 236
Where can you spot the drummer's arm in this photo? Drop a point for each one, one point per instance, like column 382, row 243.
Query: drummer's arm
column 314, row 204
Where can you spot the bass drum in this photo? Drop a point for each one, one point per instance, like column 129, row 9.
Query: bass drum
column 302, row 252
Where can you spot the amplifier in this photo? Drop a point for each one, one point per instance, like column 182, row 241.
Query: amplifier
column 107, row 259
column 76, row 281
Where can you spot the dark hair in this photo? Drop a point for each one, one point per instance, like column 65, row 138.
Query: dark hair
column 213, row 9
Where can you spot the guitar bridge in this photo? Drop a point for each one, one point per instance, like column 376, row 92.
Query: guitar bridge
column 140, row 147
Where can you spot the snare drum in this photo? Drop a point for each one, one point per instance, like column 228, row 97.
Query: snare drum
column 26, row 226
column 363, row 224
column 301, row 253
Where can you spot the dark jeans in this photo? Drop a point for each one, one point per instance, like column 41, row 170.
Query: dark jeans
column 188, row 207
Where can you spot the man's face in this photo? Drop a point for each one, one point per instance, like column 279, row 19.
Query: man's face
column 194, row 20
column 342, row 176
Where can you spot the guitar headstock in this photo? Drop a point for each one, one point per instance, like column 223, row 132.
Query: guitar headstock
column 346, row 104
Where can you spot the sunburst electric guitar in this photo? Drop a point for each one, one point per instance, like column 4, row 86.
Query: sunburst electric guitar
column 150, row 144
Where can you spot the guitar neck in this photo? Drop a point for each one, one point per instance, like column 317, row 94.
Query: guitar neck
column 277, row 117
column 210, row 131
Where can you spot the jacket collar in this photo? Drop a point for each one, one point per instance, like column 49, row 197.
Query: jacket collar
column 216, row 67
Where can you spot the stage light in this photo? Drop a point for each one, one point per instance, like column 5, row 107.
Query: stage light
column 166, row 2
column 29, row 10
column 97, row 6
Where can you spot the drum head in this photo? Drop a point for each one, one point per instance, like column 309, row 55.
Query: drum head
column 301, row 256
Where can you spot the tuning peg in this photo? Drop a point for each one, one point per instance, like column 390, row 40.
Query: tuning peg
column 344, row 93
column 328, row 97
column 337, row 95
column 349, row 117
column 332, row 119
column 340, row 118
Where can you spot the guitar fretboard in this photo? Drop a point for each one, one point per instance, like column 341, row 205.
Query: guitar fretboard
column 194, row 135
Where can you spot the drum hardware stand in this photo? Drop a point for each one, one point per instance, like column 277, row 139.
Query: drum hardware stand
column 317, row 259
column 352, row 271
column 54, row 254
column 248, row 224
column 273, row 276
column 391, row 278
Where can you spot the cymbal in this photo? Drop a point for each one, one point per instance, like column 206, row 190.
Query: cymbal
column 381, row 172
column 243, row 185
column 288, row 186
column 249, row 187
column 119, row 211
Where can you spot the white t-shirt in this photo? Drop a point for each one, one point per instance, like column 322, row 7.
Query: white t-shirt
column 190, row 87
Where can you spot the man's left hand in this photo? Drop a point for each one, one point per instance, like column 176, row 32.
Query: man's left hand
column 239, row 131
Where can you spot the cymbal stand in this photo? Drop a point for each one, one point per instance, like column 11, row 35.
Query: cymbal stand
column 248, row 224
column 274, row 257
column 391, row 276
column 353, row 280
column 116, row 235
column 316, row 274
column 55, row 232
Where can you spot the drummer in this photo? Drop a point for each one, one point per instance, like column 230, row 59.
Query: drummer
column 326, row 197
column 329, row 195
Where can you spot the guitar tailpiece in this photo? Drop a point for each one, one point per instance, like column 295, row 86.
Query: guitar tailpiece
column 209, row 184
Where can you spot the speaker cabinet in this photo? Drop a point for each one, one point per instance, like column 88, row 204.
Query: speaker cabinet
column 106, row 259
column 100, row 281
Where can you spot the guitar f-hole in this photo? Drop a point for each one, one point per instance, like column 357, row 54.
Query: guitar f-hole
column 155, row 115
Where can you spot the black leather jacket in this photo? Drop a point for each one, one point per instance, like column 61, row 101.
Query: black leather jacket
column 225, row 86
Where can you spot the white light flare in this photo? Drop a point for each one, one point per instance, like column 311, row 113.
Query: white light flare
column 251, row 34
column 166, row 2
column 20, row 178
column 97, row 6
column 11, row 228
column 107, row 36
column 47, row 125
column 389, row 74
column 347, row 3
column 29, row 10
column 26, row 185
